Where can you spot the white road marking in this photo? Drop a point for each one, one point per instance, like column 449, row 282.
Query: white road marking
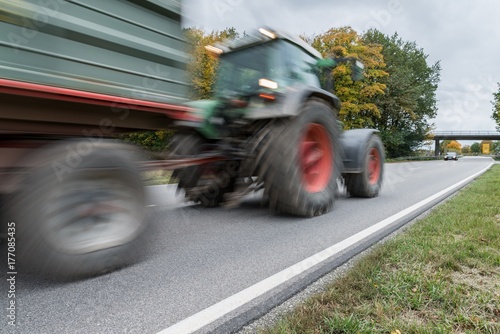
column 217, row 311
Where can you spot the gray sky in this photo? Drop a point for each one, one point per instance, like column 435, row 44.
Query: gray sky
column 463, row 35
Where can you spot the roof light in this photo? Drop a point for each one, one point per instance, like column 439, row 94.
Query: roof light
column 360, row 64
column 268, row 84
column 267, row 33
column 213, row 49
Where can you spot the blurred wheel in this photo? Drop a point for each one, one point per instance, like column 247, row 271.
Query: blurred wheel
column 301, row 166
column 81, row 216
column 369, row 182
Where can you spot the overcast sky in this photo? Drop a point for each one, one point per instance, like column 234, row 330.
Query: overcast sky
column 463, row 35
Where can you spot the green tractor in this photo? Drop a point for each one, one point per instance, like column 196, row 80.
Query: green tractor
column 278, row 129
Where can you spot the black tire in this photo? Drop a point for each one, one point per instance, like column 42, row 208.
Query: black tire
column 369, row 182
column 288, row 185
column 186, row 144
column 207, row 188
column 82, row 210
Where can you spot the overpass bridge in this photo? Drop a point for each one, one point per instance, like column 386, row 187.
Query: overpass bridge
column 464, row 135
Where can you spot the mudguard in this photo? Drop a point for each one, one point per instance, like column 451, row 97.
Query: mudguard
column 353, row 143
column 293, row 102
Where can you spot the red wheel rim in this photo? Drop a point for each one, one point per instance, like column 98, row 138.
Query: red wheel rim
column 374, row 166
column 316, row 158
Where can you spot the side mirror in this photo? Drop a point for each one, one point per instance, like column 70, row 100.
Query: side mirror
column 357, row 70
column 326, row 63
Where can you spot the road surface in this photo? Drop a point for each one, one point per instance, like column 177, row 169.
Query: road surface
column 215, row 269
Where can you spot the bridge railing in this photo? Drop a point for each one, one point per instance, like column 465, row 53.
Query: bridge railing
column 465, row 133
column 461, row 133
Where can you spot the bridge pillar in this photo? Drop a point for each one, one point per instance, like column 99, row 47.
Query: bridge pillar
column 436, row 147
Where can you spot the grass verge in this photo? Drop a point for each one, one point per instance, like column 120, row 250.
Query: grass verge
column 441, row 276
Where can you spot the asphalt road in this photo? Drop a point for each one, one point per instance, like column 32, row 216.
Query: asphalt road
column 230, row 265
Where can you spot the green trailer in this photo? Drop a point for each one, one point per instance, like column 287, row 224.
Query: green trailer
column 72, row 74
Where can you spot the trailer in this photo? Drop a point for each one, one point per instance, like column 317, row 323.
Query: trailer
column 73, row 74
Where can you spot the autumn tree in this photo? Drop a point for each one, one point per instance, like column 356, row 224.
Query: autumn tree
column 358, row 108
column 202, row 67
column 454, row 146
column 409, row 101
column 443, row 145
column 496, row 107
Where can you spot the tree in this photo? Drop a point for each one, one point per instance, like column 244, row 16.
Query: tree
column 496, row 107
column 154, row 141
column 443, row 145
column 409, row 101
column 496, row 148
column 466, row 149
column 454, row 146
column 202, row 67
column 358, row 108
column 475, row 148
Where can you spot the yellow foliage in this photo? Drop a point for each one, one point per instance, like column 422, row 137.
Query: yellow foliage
column 357, row 109
column 454, row 145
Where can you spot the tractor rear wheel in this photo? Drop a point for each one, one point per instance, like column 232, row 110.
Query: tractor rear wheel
column 301, row 165
column 369, row 182
column 205, row 184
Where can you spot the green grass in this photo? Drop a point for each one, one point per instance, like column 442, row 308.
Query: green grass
column 156, row 177
column 442, row 275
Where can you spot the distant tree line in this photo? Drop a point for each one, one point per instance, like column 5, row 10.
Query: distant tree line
column 477, row 148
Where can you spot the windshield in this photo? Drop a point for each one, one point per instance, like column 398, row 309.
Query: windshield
column 240, row 71
column 282, row 62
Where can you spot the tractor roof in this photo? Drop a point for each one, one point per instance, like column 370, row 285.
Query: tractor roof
column 261, row 36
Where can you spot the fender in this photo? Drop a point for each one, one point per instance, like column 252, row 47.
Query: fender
column 203, row 110
column 353, row 143
column 290, row 102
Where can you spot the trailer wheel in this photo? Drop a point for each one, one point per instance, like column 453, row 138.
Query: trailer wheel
column 368, row 183
column 205, row 184
column 82, row 210
column 301, row 165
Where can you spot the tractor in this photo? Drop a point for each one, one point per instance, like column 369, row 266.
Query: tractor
column 277, row 126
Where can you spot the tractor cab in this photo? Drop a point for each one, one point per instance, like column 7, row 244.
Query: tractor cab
column 266, row 75
column 264, row 65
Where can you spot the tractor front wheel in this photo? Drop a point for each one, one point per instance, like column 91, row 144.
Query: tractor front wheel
column 301, row 165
